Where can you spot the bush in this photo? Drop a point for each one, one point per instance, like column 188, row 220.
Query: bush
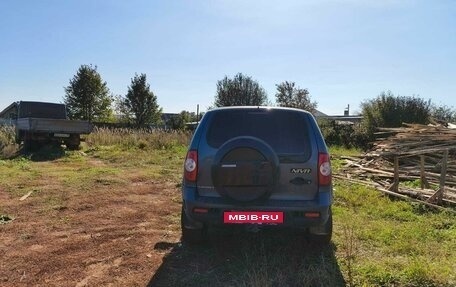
column 8, row 147
column 346, row 135
column 386, row 110
column 391, row 111
column 443, row 113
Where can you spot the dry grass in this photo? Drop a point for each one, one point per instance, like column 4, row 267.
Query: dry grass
column 8, row 147
column 142, row 139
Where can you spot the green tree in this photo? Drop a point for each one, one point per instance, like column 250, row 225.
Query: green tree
column 239, row 91
column 289, row 95
column 123, row 114
column 443, row 113
column 141, row 103
column 388, row 110
column 87, row 96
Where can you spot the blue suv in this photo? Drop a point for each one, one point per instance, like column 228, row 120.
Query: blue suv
column 257, row 166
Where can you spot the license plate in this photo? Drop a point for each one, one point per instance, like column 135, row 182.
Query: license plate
column 61, row 135
column 259, row 217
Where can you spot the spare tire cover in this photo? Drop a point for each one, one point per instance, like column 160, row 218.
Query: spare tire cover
column 245, row 169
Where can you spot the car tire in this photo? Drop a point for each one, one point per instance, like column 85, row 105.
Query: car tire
column 323, row 239
column 192, row 235
column 260, row 153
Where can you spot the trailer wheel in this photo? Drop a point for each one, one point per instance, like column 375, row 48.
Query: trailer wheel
column 73, row 142
column 72, row 147
column 31, row 144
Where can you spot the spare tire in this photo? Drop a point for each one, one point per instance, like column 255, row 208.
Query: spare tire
column 245, row 170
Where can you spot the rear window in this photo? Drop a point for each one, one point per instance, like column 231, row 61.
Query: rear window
column 287, row 132
column 42, row 110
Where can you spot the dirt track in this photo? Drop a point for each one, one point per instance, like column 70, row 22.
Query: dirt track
column 105, row 238
column 91, row 222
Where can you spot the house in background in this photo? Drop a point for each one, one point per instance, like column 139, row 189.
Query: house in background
column 346, row 118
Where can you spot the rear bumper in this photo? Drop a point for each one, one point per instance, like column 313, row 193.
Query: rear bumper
column 293, row 210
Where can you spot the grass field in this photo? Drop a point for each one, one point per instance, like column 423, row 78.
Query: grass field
column 109, row 215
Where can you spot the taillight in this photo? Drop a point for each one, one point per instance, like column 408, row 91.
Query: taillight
column 324, row 169
column 191, row 165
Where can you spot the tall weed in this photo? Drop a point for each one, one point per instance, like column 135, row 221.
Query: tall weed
column 137, row 138
column 8, row 147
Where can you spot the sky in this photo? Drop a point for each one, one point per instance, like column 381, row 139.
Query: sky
column 343, row 52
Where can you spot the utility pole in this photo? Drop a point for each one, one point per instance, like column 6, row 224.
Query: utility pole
column 197, row 113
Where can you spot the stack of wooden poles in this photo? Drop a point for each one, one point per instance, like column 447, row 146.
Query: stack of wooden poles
column 416, row 162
